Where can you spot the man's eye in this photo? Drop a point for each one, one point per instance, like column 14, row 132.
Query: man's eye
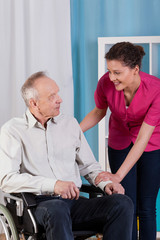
column 117, row 73
column 51, row 97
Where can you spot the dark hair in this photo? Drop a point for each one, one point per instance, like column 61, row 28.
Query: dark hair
column 129, row 54
column 28, row 90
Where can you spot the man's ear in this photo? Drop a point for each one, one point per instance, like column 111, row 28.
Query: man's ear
column 32, row 103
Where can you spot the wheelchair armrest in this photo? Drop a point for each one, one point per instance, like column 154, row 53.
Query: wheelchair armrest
column 30, row 202
column 29, row 199
column 92, row 190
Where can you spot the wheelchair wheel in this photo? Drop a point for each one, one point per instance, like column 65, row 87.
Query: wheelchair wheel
column 8, row 226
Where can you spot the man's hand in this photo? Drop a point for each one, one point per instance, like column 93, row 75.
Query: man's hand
column 66, row 189
column 111, row 188
column 105, row 176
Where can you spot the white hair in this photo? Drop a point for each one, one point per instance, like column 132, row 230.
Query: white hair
column 29, row 93
column 28, row 89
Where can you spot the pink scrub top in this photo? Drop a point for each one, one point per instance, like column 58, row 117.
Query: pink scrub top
column 125, row 123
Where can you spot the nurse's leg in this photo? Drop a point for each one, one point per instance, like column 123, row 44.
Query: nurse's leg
column 116, row 158
column 148, row 169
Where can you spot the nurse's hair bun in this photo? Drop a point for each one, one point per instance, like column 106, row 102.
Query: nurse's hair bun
column 127, row 53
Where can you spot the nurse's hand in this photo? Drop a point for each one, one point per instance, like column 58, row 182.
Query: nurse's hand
column 105, row 176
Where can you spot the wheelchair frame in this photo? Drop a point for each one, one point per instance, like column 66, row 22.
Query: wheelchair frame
column 17, row 218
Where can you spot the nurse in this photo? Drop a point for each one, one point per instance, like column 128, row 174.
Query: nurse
column 133, row 98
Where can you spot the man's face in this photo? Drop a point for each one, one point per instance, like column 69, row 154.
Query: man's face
column 49, row 101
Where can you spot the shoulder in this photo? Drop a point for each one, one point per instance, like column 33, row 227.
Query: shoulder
column 149, row 80
column 104, row 79
column 67, row 120
column 104, row 83
column 150, row 84
column 12, row 129
column 13, row 123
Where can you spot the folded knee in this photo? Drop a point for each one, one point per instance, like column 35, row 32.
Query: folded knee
column 125, row 204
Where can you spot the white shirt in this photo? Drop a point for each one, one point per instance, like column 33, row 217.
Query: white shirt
column 33, row 158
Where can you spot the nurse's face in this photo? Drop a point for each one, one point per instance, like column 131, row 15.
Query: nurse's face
column 122, row 76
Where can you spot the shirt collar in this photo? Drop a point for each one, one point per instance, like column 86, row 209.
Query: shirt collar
column 32, row 121
column 57, row 118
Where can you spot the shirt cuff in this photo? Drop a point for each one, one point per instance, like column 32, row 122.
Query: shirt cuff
column 48, row 186
column 102, row 184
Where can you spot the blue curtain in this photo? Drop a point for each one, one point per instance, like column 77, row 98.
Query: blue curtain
column 91, row 19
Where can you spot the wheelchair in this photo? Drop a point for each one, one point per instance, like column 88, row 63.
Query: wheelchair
column 18, row 221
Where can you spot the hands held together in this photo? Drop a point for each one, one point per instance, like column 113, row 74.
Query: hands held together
column 105, row 176
column 114, row 187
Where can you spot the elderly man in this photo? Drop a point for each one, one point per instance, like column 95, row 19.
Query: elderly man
column 45, row 153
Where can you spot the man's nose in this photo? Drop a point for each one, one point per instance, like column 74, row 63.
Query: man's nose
column 59, row 99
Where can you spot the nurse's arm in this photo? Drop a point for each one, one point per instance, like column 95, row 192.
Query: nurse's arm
column 132, row 157
column 136, row 151
column 92, row 118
